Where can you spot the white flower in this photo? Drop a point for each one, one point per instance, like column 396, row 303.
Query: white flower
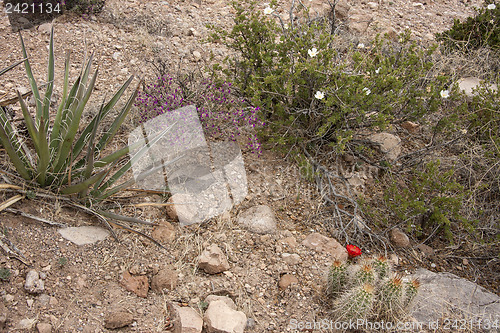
column 367, row 91
column 361, row 46
column 319, row 95
column 268, row 10
column 444, row 93
column 312, row 52
column 464, row 131
column 285, row 26
column 491, row 6
column 378, row 70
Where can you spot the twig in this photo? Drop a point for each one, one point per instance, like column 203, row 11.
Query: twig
column 14, row 254
column 36, row 218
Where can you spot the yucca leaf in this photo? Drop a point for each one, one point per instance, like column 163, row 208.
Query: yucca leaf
column 132, row 181
column 106, row 137
column 31, row 79
column 50, row 79
column 65, row 148
column 54, row 135
column 30, row 123
column 86, row 72
column 5, row 70
column 43, row 154
column 119, row 154
column 84, row 185
column 129, row 164
column 80, row 143
column 11, row 144
column 69, row 108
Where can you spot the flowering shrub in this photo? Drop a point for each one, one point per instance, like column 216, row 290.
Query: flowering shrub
column 313, row 87
column 479, row 31
column 221, row 115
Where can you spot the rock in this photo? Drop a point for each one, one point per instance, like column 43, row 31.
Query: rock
column 220, row 318
column 399, row 238
column 250, row 323
column 26, row 324
column 213, row 260
column 116, row 56
column 84, row 235
column 3, row 317
column 258, row 219
column 118, row 319
column 410, row 126
column 33, row 283
column 193, row 32
column 444, row 295
column 229, row 302
column 372, row 5
column 165, row 279
column 179, row 208
column 389, row 144
column 44, row 328
column 426, row 249
column 390, row 33
column 342, row 10
column 196, row 55
column 469, row 84
column 45, row 28
column 164, row 233
column 359, row 23
column 139, row 285
column 185, row 319
column 291, row 259
column 44, row 299
column 8, row 298
column 321, row 8
column 287, row 280
column 290, row 241
column 322, row 243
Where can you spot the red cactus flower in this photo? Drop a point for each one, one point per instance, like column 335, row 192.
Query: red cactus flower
column 353, row 250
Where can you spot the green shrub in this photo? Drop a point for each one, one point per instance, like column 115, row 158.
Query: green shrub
column 479, row 31
column 433, row 199
column 313, row 87
column 4, row 274
column 86, row 7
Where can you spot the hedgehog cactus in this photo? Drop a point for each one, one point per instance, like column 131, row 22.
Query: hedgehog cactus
column 382, row 267
column 369, row 290
column 356, row 303
column 366, row 274
column 411, row 290
column 391, row 297
column 337, row 278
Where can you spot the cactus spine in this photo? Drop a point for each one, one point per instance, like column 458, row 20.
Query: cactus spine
column 337, row 278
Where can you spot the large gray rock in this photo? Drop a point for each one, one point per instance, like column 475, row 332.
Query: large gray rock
column 221, row 318
column 444, row 295
column 84, row 235
column 389, row 144
column 258, row 219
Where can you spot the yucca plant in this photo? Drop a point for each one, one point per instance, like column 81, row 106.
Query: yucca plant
column 64, row 160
